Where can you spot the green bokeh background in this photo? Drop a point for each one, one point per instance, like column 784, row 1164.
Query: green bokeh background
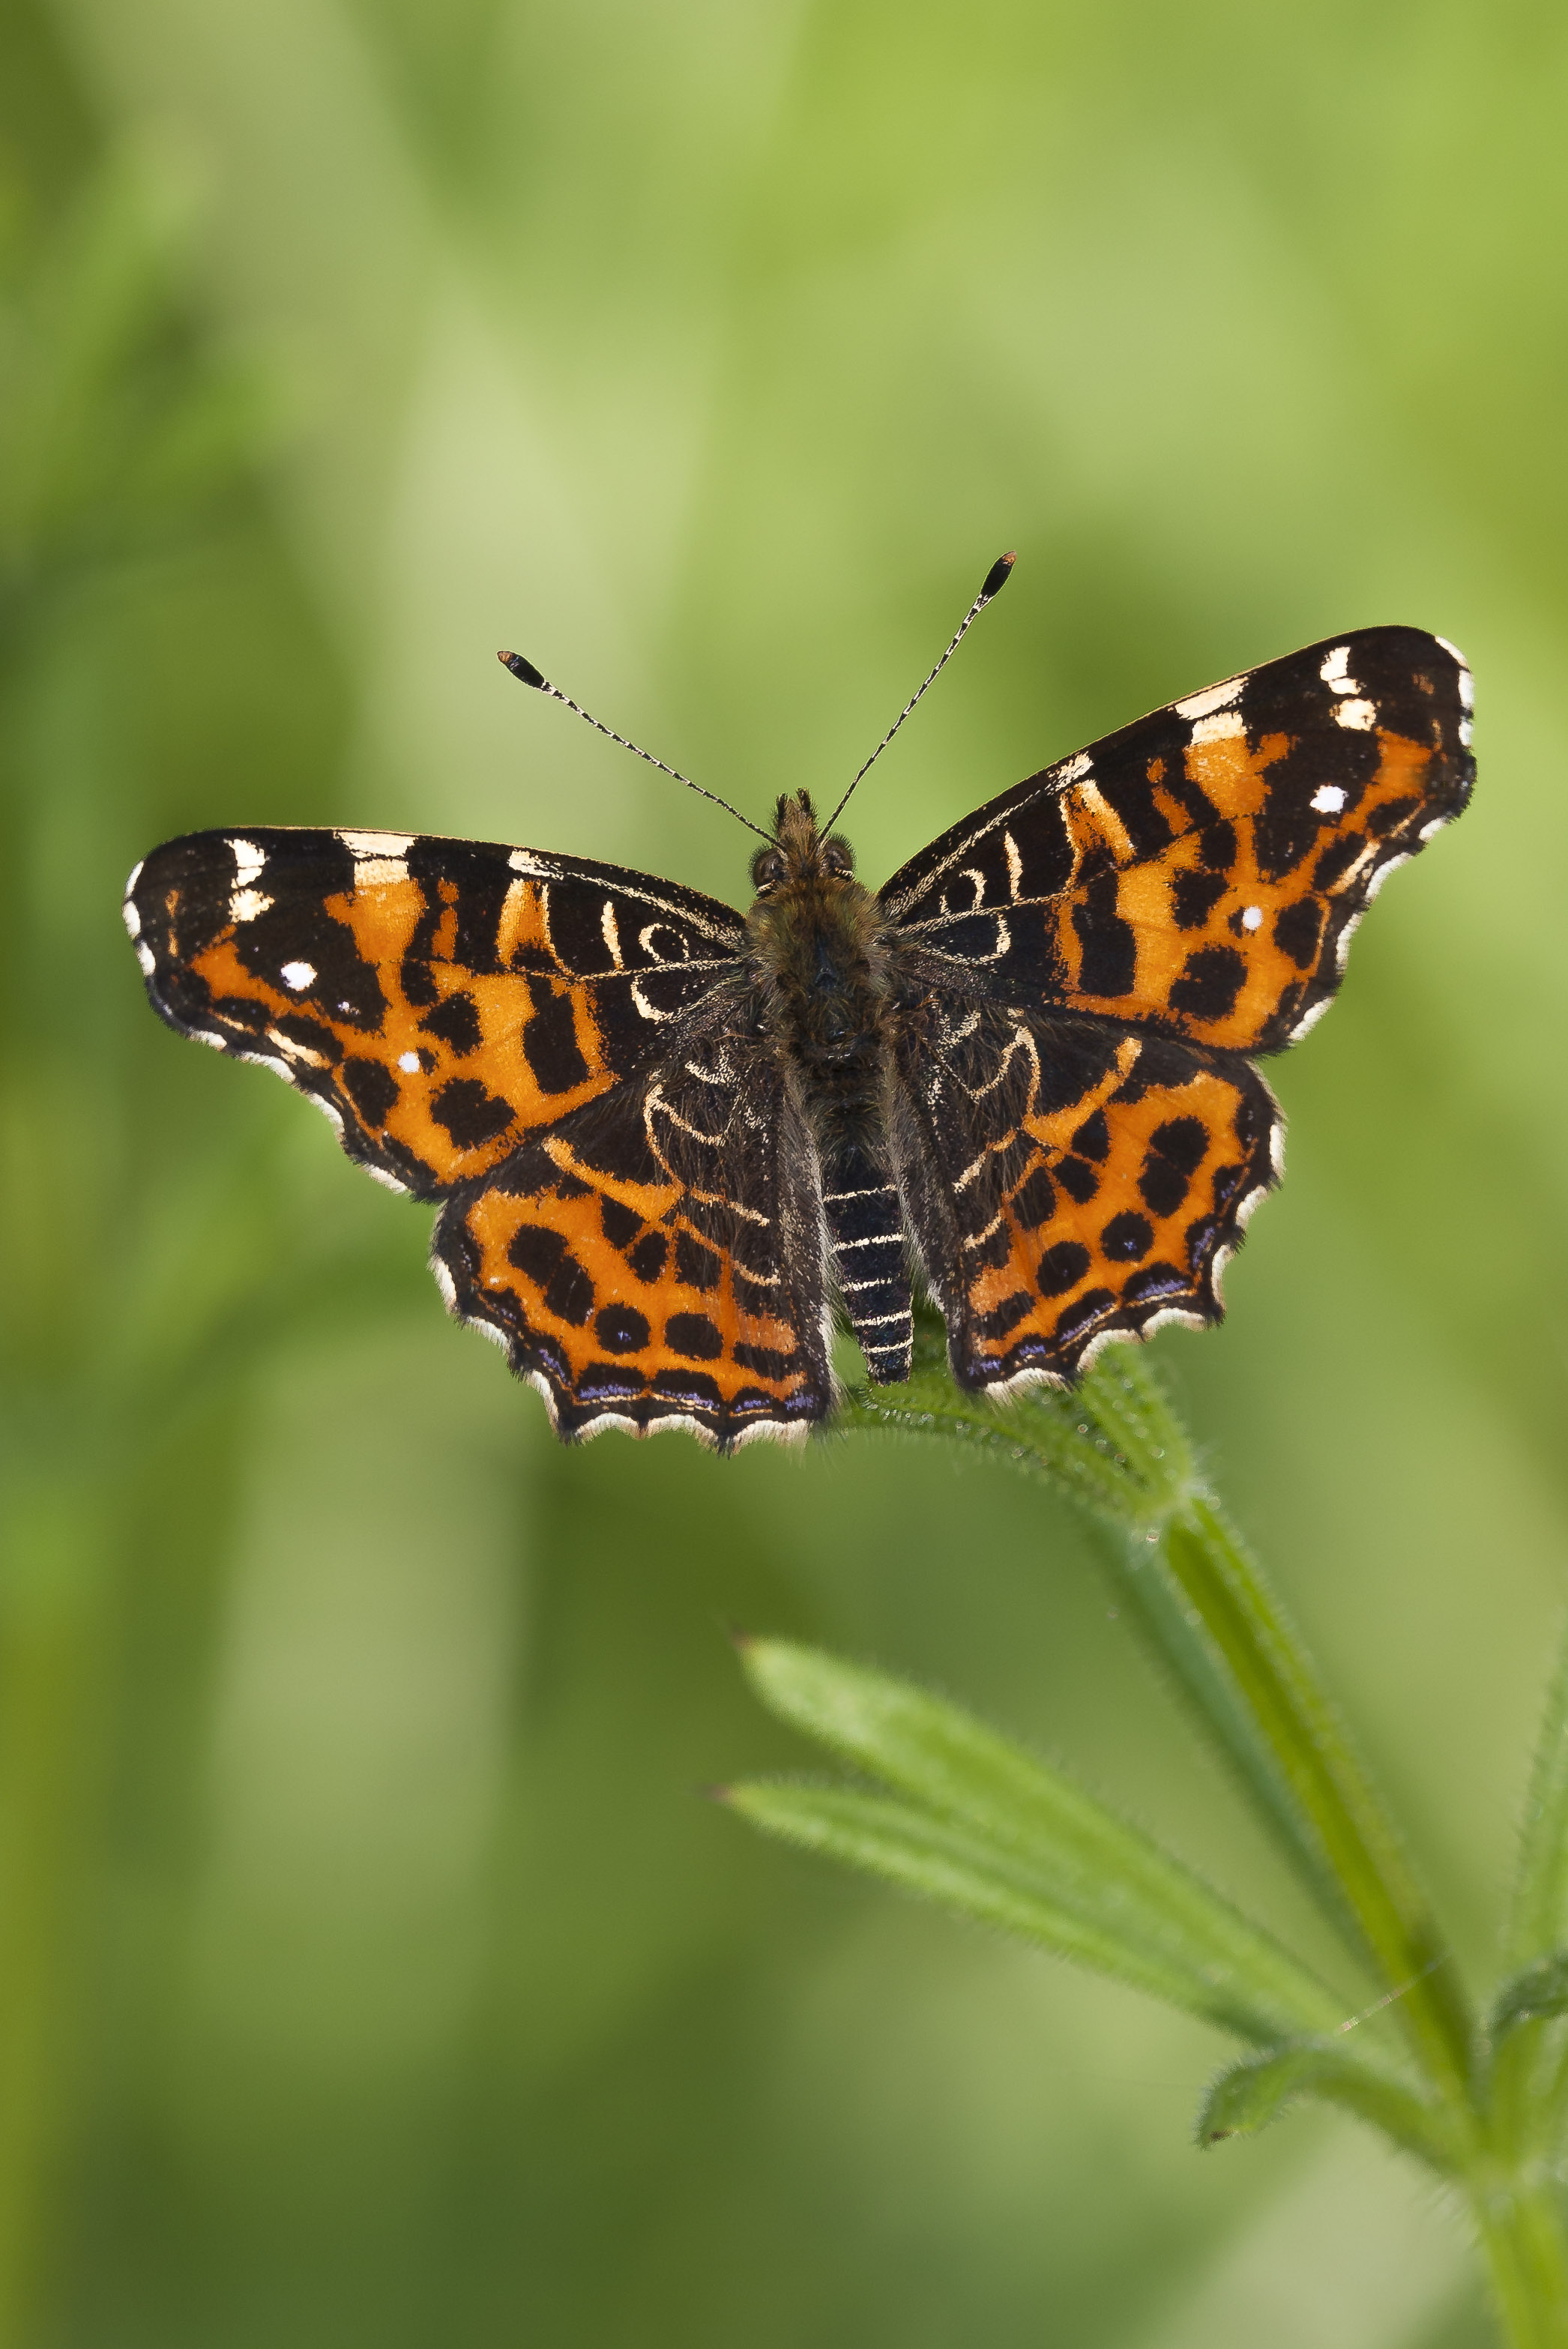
column 369, row 1970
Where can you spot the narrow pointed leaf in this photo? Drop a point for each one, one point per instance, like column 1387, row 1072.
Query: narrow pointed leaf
column 1250, row 2094
column 1533, row 1996
column 1232, row 1977
column 1026, row 1827
column 1538, row 1924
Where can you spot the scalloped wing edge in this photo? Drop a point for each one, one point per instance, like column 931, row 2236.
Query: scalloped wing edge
column 576, row 1423
column 1205, row 1310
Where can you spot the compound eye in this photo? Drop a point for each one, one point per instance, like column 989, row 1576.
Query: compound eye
column 838, row 856
column 767, row 872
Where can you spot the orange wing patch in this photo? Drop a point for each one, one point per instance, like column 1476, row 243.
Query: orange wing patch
column 638, row 1288
column 1213, row 932
column 1104, row 1182
column 438, row 1003
column 1202, row 870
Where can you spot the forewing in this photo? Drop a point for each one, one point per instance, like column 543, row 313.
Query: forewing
column 441, row 999
column 1068, row 1184
column 1202, row 870
column 657, row 1260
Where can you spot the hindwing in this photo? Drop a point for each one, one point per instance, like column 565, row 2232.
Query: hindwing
column 441, row 999
column 656, row 1259
column 1068, row 1183
column 1202, row 870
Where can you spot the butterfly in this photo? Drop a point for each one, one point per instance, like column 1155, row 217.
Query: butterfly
column 673, row 1142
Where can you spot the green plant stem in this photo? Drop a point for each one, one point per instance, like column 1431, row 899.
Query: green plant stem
column 1349, row 1839
column 1233, row 1649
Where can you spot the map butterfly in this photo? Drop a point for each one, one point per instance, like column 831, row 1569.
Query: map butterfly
column 672, row 1141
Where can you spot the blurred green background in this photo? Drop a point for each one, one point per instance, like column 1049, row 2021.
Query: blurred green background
column 369, row 1970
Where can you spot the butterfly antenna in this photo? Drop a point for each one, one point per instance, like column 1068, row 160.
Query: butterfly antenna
column 524, row 671
column 995, row 580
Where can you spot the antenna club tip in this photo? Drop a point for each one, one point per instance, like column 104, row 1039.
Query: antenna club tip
column 998, row 575
column 522, row 669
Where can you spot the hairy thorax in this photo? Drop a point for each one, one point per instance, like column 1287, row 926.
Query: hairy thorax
column 823, row 980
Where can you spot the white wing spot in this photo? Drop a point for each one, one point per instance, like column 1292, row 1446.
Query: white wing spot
column 248, row 906
column 249, row 860
column 377, row 843
column 1212, row 697
column 131, row 919
column 523, row 860
column 1467, row 682
column 1253, row 918
column 144, row 957
column 1334, row 671
column 1328, row 799
column 611, row 936
column 381, row 858
column 1467, row 732
column 299, row 975
column 1224, row 726
column 409, row 1063
column 1015, row 865
column 1360, row 715
column 135, row 877
column 1074, row 769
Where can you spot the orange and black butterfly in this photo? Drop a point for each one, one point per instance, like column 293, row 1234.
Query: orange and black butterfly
column 672, row 1142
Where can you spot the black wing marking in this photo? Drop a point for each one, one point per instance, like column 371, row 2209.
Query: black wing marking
column 1068, row 1184
column 441, row 999
column 657, row 1258
column 1203, row 869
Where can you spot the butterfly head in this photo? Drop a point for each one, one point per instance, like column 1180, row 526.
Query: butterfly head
column 799, row 854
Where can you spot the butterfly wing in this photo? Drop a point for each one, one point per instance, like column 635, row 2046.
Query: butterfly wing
column 1200, row 872
column 441, row 999
column 657, row 1258
column 1068, row 1183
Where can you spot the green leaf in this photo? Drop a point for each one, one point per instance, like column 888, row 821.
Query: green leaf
column 1256, row 2091
column 1538, row 1924
column 1540, row 1992
column 996, row 1834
